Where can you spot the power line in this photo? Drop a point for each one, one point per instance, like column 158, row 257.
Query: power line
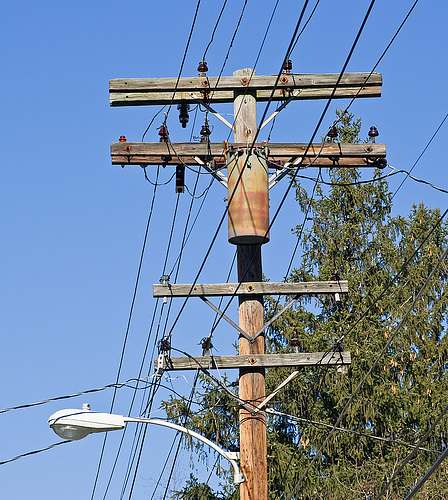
column 302, row 30
column 88, row 391
column 33, row 452
column 214, row 30
column 185, row 53
column 379, row 60
column 142, row 253
column 230, row 45
column 413, row 452
column 316, row 129
column 141, row 429
column 350, row 431
column 423, row 480
column 418, row 159
column 375, row 363
column 178, row 260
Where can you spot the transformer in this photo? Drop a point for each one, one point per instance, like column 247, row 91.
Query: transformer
column 248, row 197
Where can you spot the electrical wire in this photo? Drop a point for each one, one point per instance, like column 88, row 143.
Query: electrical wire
column 185, row 54
column 141, row 430
column 412, row 454
column 133, row 399
column 180, row 439
column 378, row 61
column 33, row 452
column 350, row 431
column 374, row 364
column 164, row 465
column 157, row 183
column 89, row 391
column 370, row 181
column 257, row 59
column 152, row 121
column 417, row 180
column 178, row 260
column 120, row 365
column 231, row 44
column 418, row 159
column 293, row 177
column 288, row 56
column 214, row 30
column 433, row 468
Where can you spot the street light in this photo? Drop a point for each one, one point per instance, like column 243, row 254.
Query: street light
column 77, row 424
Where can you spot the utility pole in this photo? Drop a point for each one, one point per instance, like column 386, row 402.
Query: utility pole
column 248, row 185
column 253, row 456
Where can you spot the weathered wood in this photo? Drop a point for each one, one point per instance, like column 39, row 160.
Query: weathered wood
column 227, row 96
column 251, row 288
column 252, row 386
column 331, row 154
column 280, row 150
column 260, row 360
column 235, row 82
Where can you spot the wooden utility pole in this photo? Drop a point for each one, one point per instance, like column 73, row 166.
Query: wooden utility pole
column 253, row 455
column 248, row 183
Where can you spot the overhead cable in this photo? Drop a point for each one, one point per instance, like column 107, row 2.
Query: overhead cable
column 33, row 452
column 374, row 364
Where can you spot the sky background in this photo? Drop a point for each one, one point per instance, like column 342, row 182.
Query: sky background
column 73, row 226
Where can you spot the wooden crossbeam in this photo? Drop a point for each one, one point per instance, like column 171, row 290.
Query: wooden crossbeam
column 294, row 80
column 256, row 288
column 258, row 360
column 193, row 153
column 159, row 91
column 225, row 96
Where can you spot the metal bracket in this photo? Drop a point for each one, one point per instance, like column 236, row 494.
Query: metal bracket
column 243, row 333
column 160, row 364
column 212, row 111
column 276, row 315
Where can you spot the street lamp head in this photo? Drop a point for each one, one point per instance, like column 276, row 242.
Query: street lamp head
column 77, row 424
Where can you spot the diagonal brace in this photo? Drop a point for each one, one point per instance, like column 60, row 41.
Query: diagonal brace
column 276, row 315
column 243, row 333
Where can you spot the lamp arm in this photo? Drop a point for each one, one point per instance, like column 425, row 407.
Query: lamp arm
column 238, row 477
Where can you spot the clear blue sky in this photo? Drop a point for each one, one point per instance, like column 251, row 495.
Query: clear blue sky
column 72, row 225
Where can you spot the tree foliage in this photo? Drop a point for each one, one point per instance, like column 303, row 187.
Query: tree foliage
column 386, row 259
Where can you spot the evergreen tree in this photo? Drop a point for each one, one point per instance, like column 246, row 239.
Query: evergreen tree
column 354, row 236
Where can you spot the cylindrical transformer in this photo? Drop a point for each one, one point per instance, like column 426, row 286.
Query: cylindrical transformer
column 248, row 213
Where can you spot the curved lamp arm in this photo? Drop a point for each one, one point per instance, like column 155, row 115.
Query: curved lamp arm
column 238, row 477
column 77, row 424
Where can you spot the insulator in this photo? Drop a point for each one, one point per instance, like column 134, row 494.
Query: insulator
column 338, row 347
column 335, row 277
column 332, row 133
column 381, row 162
column 164, row 279
column 205, row 133
column 373, row 132
column 294, row 342
column 122, row 138
column 206, row 343
column 202, row 68
column 180, row 178
column 164, row 345
column 163, row 132
column 183, row 114
column 287, row 66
